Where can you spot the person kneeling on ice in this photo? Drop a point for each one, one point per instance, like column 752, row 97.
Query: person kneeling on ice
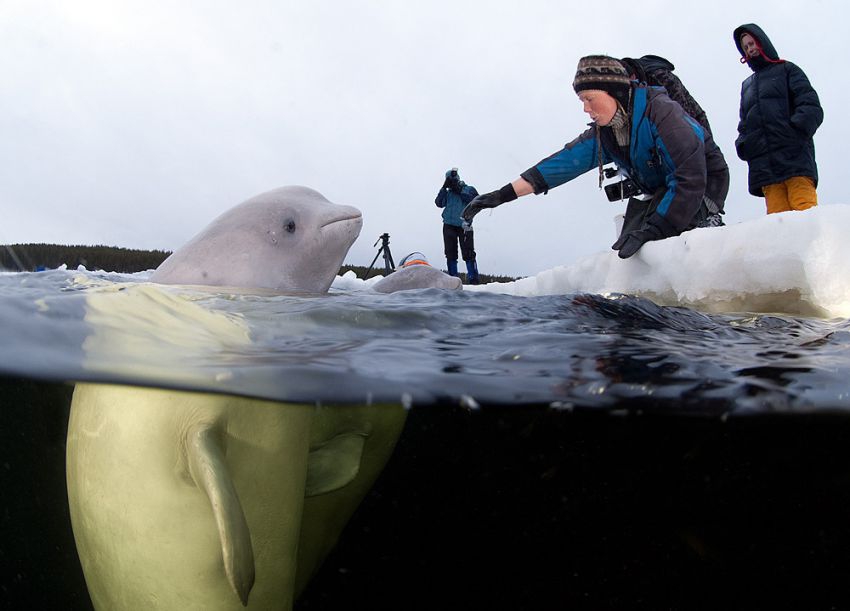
column 658, row 148
column 414, row 272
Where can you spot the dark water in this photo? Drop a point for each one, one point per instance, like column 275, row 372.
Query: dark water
column 422, row 347
column 622, row 456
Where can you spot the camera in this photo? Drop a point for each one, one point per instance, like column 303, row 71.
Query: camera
column 624, row 189
column 453, row 182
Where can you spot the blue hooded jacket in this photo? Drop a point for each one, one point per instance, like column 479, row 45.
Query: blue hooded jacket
column 453, row 203
column 668, row 150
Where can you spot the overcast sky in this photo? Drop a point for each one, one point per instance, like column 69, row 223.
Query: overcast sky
column 135, row 123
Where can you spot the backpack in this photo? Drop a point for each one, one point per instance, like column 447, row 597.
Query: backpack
column 657, row 71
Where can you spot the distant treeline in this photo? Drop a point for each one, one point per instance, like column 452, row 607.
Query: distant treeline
column 33, row 257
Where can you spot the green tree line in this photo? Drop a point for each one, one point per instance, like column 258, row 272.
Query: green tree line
column 32, row 257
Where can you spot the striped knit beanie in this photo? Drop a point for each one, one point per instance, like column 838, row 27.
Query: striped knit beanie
column 604, row 73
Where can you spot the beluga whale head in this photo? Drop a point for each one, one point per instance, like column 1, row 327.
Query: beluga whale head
column 290, row 239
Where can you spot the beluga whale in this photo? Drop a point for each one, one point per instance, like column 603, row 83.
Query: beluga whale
column 193, row 500
column 414, row 272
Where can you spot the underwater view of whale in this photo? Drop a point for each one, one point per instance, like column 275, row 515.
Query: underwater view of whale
column 185, row 499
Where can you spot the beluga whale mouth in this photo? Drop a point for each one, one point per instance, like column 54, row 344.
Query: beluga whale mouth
column 354, row 215
column 345, row 223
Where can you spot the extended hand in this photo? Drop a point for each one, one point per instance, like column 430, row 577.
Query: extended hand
column 488, row 200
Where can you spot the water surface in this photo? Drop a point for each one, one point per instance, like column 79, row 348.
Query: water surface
column 423, row 347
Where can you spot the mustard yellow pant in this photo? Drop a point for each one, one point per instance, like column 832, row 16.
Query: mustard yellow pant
column 797, row 193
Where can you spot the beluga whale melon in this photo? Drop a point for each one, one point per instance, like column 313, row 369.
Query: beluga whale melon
column 190, row 500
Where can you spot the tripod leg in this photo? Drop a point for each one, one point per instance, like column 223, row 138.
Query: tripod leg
column 373, row 263
column 389, row 265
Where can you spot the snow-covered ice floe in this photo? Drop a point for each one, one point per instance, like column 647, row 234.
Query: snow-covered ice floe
column 793, row 262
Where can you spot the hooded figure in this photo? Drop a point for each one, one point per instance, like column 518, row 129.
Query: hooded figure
column 779, row 115
column 664, row 152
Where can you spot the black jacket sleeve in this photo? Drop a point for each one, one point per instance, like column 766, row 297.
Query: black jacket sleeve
column 806, row 111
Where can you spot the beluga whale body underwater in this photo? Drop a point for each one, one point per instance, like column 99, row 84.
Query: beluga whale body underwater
column 188, row 500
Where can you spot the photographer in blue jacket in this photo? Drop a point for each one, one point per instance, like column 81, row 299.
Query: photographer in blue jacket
column 675, row 176
column 453, row 196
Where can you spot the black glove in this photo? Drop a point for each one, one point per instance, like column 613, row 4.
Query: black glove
column 488, row 200
column 620, row 241
column 446, row 184
column 456, row 186
column 655, row 228
column 635, row 240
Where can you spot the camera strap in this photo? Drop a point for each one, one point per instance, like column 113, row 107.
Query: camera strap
column 711, row 205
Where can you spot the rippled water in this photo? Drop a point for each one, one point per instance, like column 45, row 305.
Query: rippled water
column 421, row 347
column 512, row 506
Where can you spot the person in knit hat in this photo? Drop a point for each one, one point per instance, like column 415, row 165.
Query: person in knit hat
column 606, row 74
column 663, row 152
column 780, row 112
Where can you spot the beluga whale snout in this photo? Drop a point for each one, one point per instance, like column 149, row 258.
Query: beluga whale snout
column 290, row 239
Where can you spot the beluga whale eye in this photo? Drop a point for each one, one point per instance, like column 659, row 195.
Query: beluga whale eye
column 289, row 225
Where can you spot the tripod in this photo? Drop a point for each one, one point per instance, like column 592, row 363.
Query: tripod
column 389, row 266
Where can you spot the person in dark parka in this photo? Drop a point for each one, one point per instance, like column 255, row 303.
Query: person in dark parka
column 672, row 159
column 779, row 115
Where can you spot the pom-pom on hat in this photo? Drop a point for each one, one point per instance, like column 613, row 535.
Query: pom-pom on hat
column 604, row 73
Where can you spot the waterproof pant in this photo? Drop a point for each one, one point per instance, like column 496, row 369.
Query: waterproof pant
column 796, row 193
column 451, row 236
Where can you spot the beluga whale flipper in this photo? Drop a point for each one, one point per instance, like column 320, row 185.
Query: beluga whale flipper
column 186, row 500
